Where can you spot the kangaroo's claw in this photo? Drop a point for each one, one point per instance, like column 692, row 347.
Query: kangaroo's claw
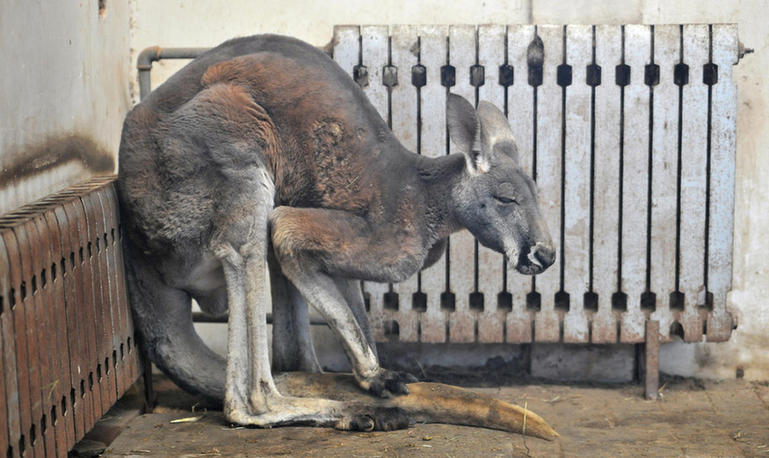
column 386, row 383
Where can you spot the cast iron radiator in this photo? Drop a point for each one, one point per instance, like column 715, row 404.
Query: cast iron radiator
column 66, row 335
column 629, row 132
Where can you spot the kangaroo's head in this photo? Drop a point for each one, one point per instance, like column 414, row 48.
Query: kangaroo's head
column 494, row 199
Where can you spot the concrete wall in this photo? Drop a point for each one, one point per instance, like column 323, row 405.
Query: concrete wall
column 64, row 93
column 206, row 23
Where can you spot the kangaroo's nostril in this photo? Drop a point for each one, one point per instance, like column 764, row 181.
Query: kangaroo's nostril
column 544, row 255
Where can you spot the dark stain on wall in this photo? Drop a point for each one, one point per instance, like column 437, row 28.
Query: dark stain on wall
column 31, row 160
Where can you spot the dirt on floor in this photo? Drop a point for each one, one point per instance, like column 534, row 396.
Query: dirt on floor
column 692, row 418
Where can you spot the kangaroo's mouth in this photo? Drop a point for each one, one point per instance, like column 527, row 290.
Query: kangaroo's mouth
column 522, row 263
column 529, row 269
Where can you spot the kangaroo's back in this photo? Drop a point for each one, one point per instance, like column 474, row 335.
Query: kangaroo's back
column 312, row 64
column 305, row 120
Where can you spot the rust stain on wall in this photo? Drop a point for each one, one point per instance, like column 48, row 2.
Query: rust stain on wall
column 30, row 160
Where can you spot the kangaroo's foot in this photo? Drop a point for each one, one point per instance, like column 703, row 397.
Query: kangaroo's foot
column 385, row 382
column 268, row 410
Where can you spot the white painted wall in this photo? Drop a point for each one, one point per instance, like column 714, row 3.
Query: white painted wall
column 207, row 23
column 64, row 89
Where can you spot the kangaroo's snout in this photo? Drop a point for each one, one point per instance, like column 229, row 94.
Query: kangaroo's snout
column 537, row 260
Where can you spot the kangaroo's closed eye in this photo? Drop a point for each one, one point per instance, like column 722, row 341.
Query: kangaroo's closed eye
column 504, row 200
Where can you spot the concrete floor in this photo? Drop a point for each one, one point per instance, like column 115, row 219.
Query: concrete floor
column 692, row 418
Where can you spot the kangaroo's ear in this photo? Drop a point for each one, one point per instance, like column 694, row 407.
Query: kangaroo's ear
column 465, row 132
column 496, row 135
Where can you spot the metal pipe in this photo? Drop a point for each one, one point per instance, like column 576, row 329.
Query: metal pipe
column 199, row 317
column 156, row 53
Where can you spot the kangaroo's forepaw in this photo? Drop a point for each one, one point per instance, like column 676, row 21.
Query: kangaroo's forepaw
column 375, row 419
column 386, row 383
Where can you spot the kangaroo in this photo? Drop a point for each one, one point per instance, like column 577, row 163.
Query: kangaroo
column 259, row 176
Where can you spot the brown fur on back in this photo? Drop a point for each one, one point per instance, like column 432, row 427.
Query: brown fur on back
column 303, row 117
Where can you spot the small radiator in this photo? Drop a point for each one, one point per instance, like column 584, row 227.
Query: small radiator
column 66, row 335
column 629, row 132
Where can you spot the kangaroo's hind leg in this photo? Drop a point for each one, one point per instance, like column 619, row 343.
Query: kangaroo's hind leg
column 240, row 242
column 292, row 348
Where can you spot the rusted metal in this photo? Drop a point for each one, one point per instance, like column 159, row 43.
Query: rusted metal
column 123, row 323
column 53, row 438
column 128, row 361
column 37, row 321
column 26, row 342
column 73, row 406
column 652, row 359
column 41, row 295
column 27, row 234
column 119, row 306
column 103, row 314
column 57, row 418
column 111, row 310
column 92, row 267
column 63, row 319
column 10, row 423
column 84, row 291
column 17, row 377
column 91, row 270
column 129, row 354
column 107, row 268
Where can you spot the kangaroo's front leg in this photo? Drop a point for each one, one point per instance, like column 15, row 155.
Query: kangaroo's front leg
column 315, row 246
column 353, row 295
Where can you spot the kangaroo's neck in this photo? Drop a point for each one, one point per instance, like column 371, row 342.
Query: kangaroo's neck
column 438, row 177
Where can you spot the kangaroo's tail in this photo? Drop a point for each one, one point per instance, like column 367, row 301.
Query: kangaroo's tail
column 163, row 318
column 426, row 403
column 439, row 403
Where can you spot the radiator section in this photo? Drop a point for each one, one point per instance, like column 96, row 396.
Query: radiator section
column 629, row 132
column 66, row 335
